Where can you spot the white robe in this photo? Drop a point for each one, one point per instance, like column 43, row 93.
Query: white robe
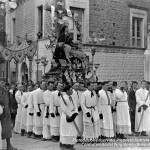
column 123, row 117
column 141, row 96
column 47, row 96
column 79, row 118
column 30, row 109
column 1, row 111
column 55, row 122
column 90, row 104
column 17, row 127
column 68, row 132
column 105, row 109
column 39, row 106
column 114, row 114
column 24, row 102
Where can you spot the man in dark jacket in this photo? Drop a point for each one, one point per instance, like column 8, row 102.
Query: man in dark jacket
column 132, row 104
column 6, row 119
column 14, row 104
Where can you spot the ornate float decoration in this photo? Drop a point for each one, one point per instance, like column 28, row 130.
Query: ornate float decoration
column 68, row 64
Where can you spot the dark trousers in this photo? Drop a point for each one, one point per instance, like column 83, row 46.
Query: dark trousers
column 132, row 117
column 13, row 117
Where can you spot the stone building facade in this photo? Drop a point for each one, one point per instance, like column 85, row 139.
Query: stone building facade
column 123, row 25
column 2, row 38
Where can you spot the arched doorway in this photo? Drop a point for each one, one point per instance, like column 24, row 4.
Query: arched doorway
column 24, row 72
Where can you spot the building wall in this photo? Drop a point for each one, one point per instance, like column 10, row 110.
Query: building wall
column 112, row 18
column 108, row 17
column 2, row 41
column 118, row 64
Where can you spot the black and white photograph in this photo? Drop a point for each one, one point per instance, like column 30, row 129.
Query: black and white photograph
column 74, row 74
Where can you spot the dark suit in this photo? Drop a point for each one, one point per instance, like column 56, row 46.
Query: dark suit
column 132, row 105
column 6, row 120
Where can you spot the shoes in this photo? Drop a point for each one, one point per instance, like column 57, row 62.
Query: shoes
column 33, row 136
column 22, row 134
column 43, row 139
column 54, row 140
column 143, row 133
column 132, row 134
column 137, row 134
column 11, row 148
column 122, row 136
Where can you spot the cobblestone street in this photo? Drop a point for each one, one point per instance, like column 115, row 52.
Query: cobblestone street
column 24, row 143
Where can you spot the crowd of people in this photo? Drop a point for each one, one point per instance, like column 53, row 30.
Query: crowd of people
column 68, row 113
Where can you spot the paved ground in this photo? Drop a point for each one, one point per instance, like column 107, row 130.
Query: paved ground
column 24, row 143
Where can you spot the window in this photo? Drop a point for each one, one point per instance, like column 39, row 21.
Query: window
column 80, row 14
column 40, row 19
column 14, row 29
column 138, row 27
column 137, row 32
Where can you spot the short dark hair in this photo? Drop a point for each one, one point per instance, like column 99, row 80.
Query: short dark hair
column 67, row 87
column 134, row 82
column 105, row 82
column 50, row 82
column 75, row 83
column 114, row 83
column 89, row 83
column 143, row 81
column 125, row 82
column 7, row 84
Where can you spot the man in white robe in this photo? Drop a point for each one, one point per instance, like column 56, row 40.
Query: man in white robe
column 68, row 131
column 114, row 87
column 142, row 104
column 30, row 113
column 89, row 104
column 1, row 112
column 47, row 96
column 39, row 107
column 122, row 111
column 18, row 96
column 106, row 119
column 55, row 113
column 24, row 102
column 77, row 96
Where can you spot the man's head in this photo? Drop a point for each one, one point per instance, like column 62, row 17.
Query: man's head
column 122, row 85
column 114, row 86
column 30, row 88
column 37, row 85
column 24, row 88
column 126, row 86
column 43, row 85
column 76, row 86
column 143, row 84
column 20, row 87
column 148, row 85
column 60, row 86
column 105, row 85
column 95, row 86
column 2, row 82
column 50, row 85
column 13, row 86
column 68, row 90
column 7, row 86
column 134, row 84
column 90, row 86
column 81, row 86
column 110, row 84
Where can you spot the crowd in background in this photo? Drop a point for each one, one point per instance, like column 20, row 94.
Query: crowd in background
column 111, row 110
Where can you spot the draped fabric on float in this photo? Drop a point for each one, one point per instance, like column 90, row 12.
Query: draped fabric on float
column 18, row 53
